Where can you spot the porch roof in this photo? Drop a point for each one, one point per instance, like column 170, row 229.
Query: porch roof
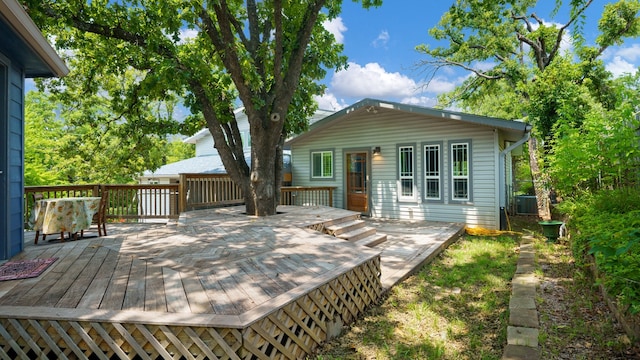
column 22, row 38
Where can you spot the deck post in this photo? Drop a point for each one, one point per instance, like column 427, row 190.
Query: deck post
column 331, row 196
column 182, row 193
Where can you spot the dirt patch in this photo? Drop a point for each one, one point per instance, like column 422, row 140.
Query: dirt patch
column 575, row 321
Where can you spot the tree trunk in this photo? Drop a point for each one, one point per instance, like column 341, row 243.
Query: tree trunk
column 541, row 190
column 261, row 190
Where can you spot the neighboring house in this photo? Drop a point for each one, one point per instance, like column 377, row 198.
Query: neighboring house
column 207, row 160
column 391, row 160
column 24, row 53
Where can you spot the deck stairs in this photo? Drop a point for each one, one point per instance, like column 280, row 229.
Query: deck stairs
column 354, row 229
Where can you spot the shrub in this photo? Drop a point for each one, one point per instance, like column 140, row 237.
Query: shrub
column 607, row 225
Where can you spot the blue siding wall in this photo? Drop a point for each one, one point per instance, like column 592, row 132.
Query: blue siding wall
column 16, row 161
column 11, row 160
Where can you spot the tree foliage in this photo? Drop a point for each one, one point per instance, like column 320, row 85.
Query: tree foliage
column 508, row 49
column 267, row 54
column 603, row 152
column 76, row 143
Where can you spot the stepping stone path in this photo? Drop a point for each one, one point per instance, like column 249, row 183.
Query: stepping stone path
column 523, row 329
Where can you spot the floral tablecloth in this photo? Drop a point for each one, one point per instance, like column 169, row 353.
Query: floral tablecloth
column 65, row 214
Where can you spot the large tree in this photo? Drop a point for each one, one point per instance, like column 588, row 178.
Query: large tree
column 523, row 66
column 267, row 54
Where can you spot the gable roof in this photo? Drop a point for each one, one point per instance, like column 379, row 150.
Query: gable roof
column 22, row 38
column 204, row 164
column 204, row 132
column 374, row 106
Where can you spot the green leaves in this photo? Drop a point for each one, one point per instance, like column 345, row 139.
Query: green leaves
column 619, row 21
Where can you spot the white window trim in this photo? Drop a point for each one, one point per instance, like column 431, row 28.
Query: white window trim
column 438, row 147
column 467, row 177
column 322, row 176
column 412, row 177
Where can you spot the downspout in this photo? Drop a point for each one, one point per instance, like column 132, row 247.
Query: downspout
column 502, row 174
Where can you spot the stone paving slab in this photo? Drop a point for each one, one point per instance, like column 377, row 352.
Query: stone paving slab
column 525, row 336
column 524, row 318
column 517, row 352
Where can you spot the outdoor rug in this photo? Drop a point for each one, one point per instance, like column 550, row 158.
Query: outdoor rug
column 22, row 269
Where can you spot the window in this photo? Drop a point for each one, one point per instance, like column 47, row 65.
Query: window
column 432, row 163
column 460, row 171
column 406, row 181
column 246, row 139
column 322, row 164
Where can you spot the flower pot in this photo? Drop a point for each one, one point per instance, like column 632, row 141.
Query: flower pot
column 551, row 229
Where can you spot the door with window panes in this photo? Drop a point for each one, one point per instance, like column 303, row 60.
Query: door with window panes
column 357, row 182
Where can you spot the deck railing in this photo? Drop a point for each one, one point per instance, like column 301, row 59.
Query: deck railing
column 307, row 196
column 142, row 202
column 209, row 190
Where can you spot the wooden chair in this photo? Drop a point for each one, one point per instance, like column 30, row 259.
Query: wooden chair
column 100, row 218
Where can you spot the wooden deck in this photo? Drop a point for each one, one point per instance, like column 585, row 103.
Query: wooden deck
column 218, row 284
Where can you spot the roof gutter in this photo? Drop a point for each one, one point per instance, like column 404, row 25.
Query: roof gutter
column 24, row 26
column 502, row 173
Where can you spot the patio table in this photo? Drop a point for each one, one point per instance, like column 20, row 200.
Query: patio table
column 60, row 215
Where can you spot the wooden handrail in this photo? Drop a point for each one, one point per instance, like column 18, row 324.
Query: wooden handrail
column 166, row 201
column 307, row 195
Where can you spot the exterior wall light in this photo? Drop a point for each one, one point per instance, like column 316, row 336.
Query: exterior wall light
column 376, row 150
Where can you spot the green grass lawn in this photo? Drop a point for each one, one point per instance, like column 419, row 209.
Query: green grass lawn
column 455, row 308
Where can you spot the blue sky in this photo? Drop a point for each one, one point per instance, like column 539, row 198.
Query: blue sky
column 380, row 44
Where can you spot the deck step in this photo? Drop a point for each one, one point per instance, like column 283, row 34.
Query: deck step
column 357, row 234
column 344, row 227
column 341, row 220
column 372, row 240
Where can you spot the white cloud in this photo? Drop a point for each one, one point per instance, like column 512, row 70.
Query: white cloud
column 484, row 65
column 328, row 101
column 381, row 40
column 371, row 80
column 187, row 34
column 631, row 53
column 420, row 101
column 337, row 28
column 618, row 66
column 439, row 85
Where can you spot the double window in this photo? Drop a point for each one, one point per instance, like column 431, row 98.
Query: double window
column 322, row 164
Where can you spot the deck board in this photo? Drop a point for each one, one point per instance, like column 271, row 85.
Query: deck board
column 174, row 291
column 134, row 298
column 96, row 289
column 218, row 299
column 117, row 286
column 154, row 299
column 79, row 287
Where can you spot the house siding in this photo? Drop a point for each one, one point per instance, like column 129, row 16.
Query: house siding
column 204, row 146
column 12, row 140
column 387, row 130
